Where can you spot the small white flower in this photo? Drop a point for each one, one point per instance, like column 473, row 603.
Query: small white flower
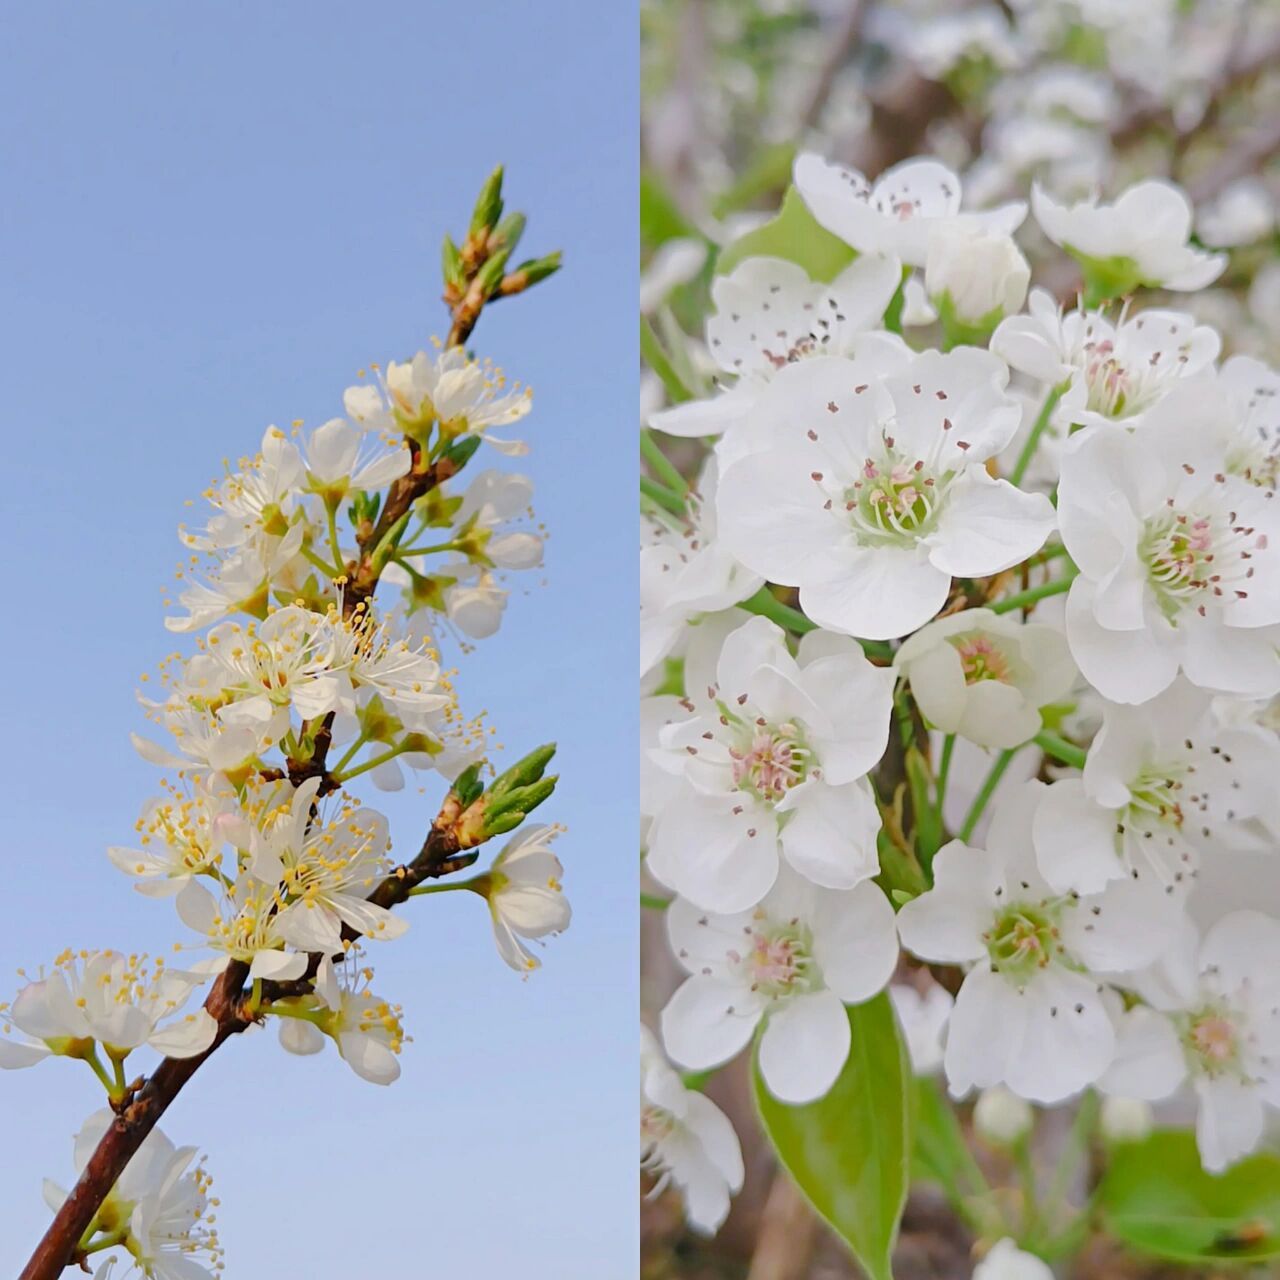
column 768, row 315
column 945, row 40
column 1142, row 237
column 871, row 496
column 1240, row 214
column 900, row 212
column 1001, row 1117
column 1028, row 1014
column 774, row 756
column 525, row 897
column 1125, row 1119
column 1178, row 561
column 985, row 676
column 793, row 962
column 1213, row 1020
column 338, row 462
column 110, row 998
column 977, row 275
column 1164, row 785
column 686, row 1140
column 1007, row 1262
column 923, row 1019
column 1109, row 372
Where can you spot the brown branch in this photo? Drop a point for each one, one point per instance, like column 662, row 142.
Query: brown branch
column 1248, row 155
column 141, row 1110
column 842, row 42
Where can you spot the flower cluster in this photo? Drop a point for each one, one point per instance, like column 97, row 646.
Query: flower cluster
column 296, row 685
column 1007, row 689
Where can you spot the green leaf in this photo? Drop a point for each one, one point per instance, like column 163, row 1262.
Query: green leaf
column 660, row 217
column 850, row 1152
column 795, row 235
column 1156, row 1198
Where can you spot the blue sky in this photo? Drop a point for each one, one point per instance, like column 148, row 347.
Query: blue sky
column 214, row 215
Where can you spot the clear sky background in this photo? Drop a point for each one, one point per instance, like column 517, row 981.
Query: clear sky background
column 212, row 216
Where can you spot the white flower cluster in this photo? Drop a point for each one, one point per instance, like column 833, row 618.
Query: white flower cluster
column 927, row 504
column 296, row 688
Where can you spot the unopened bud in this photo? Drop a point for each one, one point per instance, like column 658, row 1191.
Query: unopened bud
column 506, row 235
column 1125, row 1119
column 451, row 267
column 489, row 277
column 488, row 204
column 975, row 277
column 1002, row 1118
column 525, row 770
column 531, row 272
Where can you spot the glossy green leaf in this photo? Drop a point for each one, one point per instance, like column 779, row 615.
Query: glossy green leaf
column 1156, row 1198
column 795, row 235
column 850, row 1151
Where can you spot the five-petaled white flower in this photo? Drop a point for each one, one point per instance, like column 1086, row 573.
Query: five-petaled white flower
column 793, row 961
column 773, row 756
column 872, row 495
column 525, row 897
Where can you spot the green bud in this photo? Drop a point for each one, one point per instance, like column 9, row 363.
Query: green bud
column 467, row 786
column 489, row 204
column 507, row 233
column 461, row 451
column 537, row 269
column 524, row 771
column 500, row 825
column 489, row 277
column 451, row 267
column 523, row 799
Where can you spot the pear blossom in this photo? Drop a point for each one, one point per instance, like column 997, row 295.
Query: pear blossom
column 975, row 275
column 773, row 756
column 1005, row 1261
column 1178, row 562
column 1141, row 239
column 874, row 495
column 110, row 998
column 1240, row 214
column 791, row 962
column 240, row 583
column 1212, row 1019
column 160, row 1205
column 450, row 391
column 923, row 1017
column 525, row 897
column 1164, row 785
column 492, row 500
column 1244, row 401
column 241, row 924
column 898, row 213
column 1125, row 1119
column 1107, row 372
column 1028, row 1015
column 947, row 40
column 686, row 1141
column 338, row 462
column 985, row 676
column 685, row 570
column 365, row 1028
column 1001, row 1117
column 769, row 314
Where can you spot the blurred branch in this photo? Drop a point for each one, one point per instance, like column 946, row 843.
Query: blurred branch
column 843, row 40
column 788, row 1234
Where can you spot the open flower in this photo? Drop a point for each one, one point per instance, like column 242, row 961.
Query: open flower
column 985, row 676
column 1211, row 1019
column 769, row 314
column 1178, row 560
column 339, row 462
column 1163, row 785
column 900, row 212
column 793, row 961
column 1029, row 1015
column 871, row 496
column 1141, row 239
column 525, row 896
column 159, row 1208
column 686, row 1140
column 113, row 999
column 774, row 756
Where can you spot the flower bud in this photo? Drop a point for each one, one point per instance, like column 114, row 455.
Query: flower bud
column 1125, row 1119
column 1001, row 1117
column 488, row 204
column 975, row 277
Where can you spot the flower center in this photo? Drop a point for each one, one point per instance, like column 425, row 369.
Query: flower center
column 1213, row 1040
column 895, row 499
column 778, row 959
column 1023, row 940
column 656, row 1123
column 1154, row 797
column 980, row 659
column 1108, row 383
column 1193, row 558
column 771, row 762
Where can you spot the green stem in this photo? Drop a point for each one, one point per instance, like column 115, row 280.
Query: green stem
column 118, row 1236
column 988, row 787
column 663, row 467
column 349, row 754
column 944, row 772
column 1033, row 440
column 652, row 902
column 437, row 549
column 1023, row 598
column 663, row 497
column 334, row 545
column 658, row 360
column 372, row 763
column 1027, row 1181
column 95, row 1065
column 327, row 569
column 767, row 605
column 1060, row 749
column 442, row 887
column 1075, row 1146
